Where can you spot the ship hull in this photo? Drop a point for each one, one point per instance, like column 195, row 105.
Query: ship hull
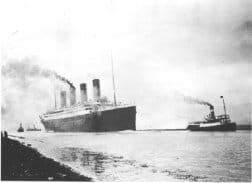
column 117, row 119
column 222, row 127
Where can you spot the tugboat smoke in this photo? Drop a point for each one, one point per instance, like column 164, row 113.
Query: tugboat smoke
column 192, row 100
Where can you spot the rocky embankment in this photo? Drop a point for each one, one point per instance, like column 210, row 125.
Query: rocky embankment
column 20, row 162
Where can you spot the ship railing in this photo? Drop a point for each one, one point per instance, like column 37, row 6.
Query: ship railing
column 224, row 116
column 68, row 111
column 224, row 121
column 91, row 105
column 194, row 122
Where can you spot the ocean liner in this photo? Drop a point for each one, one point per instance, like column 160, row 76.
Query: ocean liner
column 98, row 115
column 213, row 123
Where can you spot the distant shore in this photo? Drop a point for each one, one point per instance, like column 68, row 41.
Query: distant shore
column 238, row 127
column 243, row 127
column 163, row 130
column 20, row 162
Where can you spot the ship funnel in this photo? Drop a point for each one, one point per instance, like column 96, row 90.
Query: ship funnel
column 96, row 88
column 63, row 98
column 212, row 112
column 83, row 92
column 72, row 96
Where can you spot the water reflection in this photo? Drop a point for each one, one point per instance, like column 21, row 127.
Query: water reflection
column 111, row 168
column 94, row 161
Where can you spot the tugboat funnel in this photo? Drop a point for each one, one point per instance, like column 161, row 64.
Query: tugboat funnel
column 212, row 114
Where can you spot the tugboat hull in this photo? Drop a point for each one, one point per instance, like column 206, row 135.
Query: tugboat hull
column 222, row 127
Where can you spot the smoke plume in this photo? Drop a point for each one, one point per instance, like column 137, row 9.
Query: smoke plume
column 26, row 68
column 28, row 91
column 191, row 100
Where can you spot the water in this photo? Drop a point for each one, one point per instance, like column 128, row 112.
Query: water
column 150, row 155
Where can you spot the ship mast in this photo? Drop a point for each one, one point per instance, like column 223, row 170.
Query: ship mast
column 113, row 78
column 54, row 88
column 112, row 65
column 224, row 105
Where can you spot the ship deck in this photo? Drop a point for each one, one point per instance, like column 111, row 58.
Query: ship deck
column 79, row 111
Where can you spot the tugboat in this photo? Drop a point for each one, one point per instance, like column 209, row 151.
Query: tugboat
column 20, row 129
column 33, row 129
column 213, row 123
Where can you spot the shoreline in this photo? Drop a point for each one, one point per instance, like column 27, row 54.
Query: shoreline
column 20, row 162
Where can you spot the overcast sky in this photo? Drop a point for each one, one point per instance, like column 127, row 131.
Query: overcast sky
column 159, row 47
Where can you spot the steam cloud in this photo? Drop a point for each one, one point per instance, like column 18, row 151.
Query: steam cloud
column 28, row 91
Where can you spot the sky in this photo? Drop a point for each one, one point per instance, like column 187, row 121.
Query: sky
column 159, row 48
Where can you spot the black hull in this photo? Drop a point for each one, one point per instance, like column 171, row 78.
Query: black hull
column 118, row 119
column 223, row 127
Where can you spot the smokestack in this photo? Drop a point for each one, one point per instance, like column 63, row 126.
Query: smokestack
column 63, row 98
column 72, row 96
column 212, row 111
column 83, row 92
column 96, row 87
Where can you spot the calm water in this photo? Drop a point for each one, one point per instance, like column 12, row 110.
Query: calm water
column 150, row 155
